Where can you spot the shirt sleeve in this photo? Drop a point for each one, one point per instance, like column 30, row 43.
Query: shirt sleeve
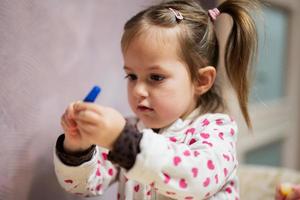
column 126, row 147
column 195, row 168
column 90, row 178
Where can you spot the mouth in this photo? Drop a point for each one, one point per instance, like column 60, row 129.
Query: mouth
column 144, row 109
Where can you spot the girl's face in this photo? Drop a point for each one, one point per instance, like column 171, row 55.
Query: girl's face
column 159, row 85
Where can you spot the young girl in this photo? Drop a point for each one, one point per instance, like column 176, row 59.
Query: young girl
column 182, row 146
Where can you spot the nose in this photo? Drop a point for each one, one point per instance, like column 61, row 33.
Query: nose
column 139, row 90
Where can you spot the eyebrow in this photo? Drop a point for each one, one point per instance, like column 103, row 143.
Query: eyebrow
column 154, row 67
column 126, row 68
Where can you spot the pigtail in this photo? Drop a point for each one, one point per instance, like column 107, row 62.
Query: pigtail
column 241, row 48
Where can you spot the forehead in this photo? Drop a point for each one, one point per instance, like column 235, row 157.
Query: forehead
column 155, row 44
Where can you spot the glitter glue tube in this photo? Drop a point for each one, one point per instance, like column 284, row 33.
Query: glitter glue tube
column 92, row 95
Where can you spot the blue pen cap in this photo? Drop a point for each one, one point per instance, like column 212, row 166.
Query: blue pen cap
column 92, row 95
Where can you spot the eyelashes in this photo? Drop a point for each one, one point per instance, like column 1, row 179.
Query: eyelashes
column 131, row 77
column 156, row 77
column 151, row 77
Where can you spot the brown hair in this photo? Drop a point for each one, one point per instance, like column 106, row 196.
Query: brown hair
column 199, row 45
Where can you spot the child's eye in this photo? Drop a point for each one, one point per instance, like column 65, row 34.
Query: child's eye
column 131, row 77
column 156, row 77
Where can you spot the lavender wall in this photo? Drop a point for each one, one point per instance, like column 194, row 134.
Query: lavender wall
column 51, row 53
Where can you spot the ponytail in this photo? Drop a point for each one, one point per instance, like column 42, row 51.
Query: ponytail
column 241, row 48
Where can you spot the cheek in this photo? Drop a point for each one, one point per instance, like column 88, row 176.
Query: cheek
column 170, row 103
column 176, row 98
column 130, row 97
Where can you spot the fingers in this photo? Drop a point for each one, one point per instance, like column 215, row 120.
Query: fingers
column 68, row 122
column 86, row 128
column 71, row 130
column 87, row 116
column 87, row 112
column 81, row 106
column 68, row 116
column 70, row 110
column 82, row 119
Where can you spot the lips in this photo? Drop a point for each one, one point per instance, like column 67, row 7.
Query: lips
column 144, row 108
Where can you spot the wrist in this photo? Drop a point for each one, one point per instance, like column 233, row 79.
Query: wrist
column 74, row 158
column 109, row 141
column 73, row 148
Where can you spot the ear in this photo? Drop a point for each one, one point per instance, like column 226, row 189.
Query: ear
column 206, row 78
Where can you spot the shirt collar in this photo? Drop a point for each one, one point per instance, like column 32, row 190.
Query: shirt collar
column 177, row 125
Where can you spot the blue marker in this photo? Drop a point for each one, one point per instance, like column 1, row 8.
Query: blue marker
column 91, row 97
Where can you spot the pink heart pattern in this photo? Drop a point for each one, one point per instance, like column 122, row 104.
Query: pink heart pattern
column 167, row 178
column 205, row 122
column 221, row 135
column 196, row 153
column 226, row 157
column 98, row 187
column 176, row 160
column 98, row 173
column 136, row 188
column 219, row 122
column 210, row 165
column 190, row 131
column 208, row 143
column 216, row 178
column 195, row 172
column 225, row 172
column 206, row 182
column 173, row 139
column 110, row 171
column 104, row 156
column 149, row 193
column 204, row 135
column 232, row 132
column 187, row 153
column 228, row 190
column 182, row 183
column 192, row 141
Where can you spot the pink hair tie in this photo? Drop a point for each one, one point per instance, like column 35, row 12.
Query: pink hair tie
column 214, row 13
column 177, row 14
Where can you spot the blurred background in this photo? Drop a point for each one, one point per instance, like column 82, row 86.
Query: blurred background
column 52, row 52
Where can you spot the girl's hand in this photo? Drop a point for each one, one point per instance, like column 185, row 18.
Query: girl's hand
column 286, row 191
column 74, row 140
column 100, row 124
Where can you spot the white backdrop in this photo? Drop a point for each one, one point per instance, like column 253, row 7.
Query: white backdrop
column 51, row 53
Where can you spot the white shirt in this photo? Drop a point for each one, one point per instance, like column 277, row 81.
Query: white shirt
column 193, row 158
